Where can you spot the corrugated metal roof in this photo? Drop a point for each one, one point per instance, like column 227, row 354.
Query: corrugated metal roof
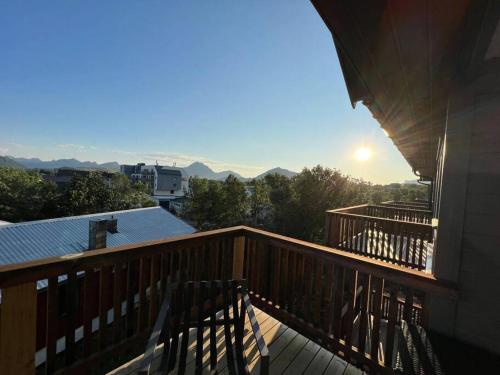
column 56, row 237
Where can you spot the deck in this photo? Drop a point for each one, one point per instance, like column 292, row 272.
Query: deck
column 290, row 353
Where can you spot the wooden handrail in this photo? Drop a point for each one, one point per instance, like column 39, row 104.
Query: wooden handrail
column 17, row 273
column 391, row 272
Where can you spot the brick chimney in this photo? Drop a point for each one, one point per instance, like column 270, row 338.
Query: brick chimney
column 97, row 233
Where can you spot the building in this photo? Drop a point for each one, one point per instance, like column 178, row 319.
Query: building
column 166, row 185
column 62, row 177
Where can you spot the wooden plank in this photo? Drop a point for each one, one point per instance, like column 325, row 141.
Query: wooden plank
column 319, row 363
column 364, row 313
column 89, row 309
column 391, row 326
column 51, row 324
column 238, row 257
column 281, row 361
column 302, row 359
column 153, row 289
column 71, row 309
column 141, row 312
column 18, row 329
column 104, row 294
column 117, row 301
column 378, row 285
column 337, row 366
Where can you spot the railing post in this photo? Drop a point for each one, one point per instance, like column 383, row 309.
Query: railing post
column 333, row 229
column 18, row 329
column 238, row 257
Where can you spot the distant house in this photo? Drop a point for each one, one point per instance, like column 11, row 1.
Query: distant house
column 167, row 185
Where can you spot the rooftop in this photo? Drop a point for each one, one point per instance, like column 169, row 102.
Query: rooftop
column 68, row 235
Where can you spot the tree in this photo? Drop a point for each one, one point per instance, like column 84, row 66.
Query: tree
column 235, row 205
column 260, row 203
column 87, row 194
column 25, row 195
column 204, row 203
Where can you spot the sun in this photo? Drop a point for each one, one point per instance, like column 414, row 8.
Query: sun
column 363, row 154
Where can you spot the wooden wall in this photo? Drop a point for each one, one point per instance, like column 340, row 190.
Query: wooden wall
column 468, row 248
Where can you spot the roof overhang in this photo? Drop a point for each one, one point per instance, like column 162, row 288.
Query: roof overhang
column 403, row 58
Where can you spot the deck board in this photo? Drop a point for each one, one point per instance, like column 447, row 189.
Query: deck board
column 290, row 352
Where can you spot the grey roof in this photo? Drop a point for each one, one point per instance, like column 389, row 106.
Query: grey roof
column 56, row 237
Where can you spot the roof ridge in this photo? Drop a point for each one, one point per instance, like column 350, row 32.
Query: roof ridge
column 67, row 218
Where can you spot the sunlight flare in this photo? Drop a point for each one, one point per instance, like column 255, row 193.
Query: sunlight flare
column 363, row 153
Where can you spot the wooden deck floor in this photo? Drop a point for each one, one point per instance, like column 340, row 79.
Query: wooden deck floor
column 290, row 353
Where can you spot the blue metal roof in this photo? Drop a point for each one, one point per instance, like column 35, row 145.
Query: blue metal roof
column 56, row 237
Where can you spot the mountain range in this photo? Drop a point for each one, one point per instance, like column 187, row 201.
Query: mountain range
column 195, row 169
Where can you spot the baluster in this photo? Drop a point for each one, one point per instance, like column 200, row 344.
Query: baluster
column 408, row 307
column 89, row 309
column 328, row 298
column 276, row 298
column 378, row 285
column 104, row 294
column 129, row 318
column 318, row 288
column 391, row 325
column 364, row 311
column 291, row 281
column 117, row 301
column 338, row 301
column 52, row 324
column 143, row 265
column 153, row 289
column 71, row 309
column 348, row 319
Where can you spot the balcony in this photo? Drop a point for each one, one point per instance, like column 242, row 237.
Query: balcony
column 389, row 232
column 99, row 306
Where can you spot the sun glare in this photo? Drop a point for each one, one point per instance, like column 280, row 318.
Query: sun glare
column 363, row 154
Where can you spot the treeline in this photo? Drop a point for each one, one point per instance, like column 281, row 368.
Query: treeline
column 25, row 195
column 291, row 206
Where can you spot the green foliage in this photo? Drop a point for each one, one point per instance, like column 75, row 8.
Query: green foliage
column 25, row 195
column 214, row 204
column 291, row 206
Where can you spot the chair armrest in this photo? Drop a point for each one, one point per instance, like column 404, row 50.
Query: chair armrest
column 261, row 344
column 160, row 324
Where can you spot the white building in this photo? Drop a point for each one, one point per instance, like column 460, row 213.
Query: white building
column 167, row 185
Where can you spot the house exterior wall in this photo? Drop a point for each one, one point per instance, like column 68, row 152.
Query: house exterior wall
column 468, row 241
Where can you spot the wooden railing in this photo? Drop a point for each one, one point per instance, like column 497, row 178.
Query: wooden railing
column 396, row 235
column 418, row 205
column 100, row 305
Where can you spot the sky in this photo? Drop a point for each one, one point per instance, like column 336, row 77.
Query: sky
column 241, row 85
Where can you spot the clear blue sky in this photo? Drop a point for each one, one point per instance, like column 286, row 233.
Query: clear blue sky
column 246, row 85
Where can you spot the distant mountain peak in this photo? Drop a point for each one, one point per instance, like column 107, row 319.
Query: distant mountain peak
column 202, row 170
column 36, row 163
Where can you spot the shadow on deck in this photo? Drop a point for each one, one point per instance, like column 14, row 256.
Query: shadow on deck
column 290, row 353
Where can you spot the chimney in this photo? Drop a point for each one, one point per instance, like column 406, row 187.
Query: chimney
column 97, row 234
column 112, row 225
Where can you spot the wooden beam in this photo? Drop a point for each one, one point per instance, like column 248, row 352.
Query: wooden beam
column 18, row 329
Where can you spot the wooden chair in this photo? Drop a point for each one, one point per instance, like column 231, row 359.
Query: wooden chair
column 196, row 305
